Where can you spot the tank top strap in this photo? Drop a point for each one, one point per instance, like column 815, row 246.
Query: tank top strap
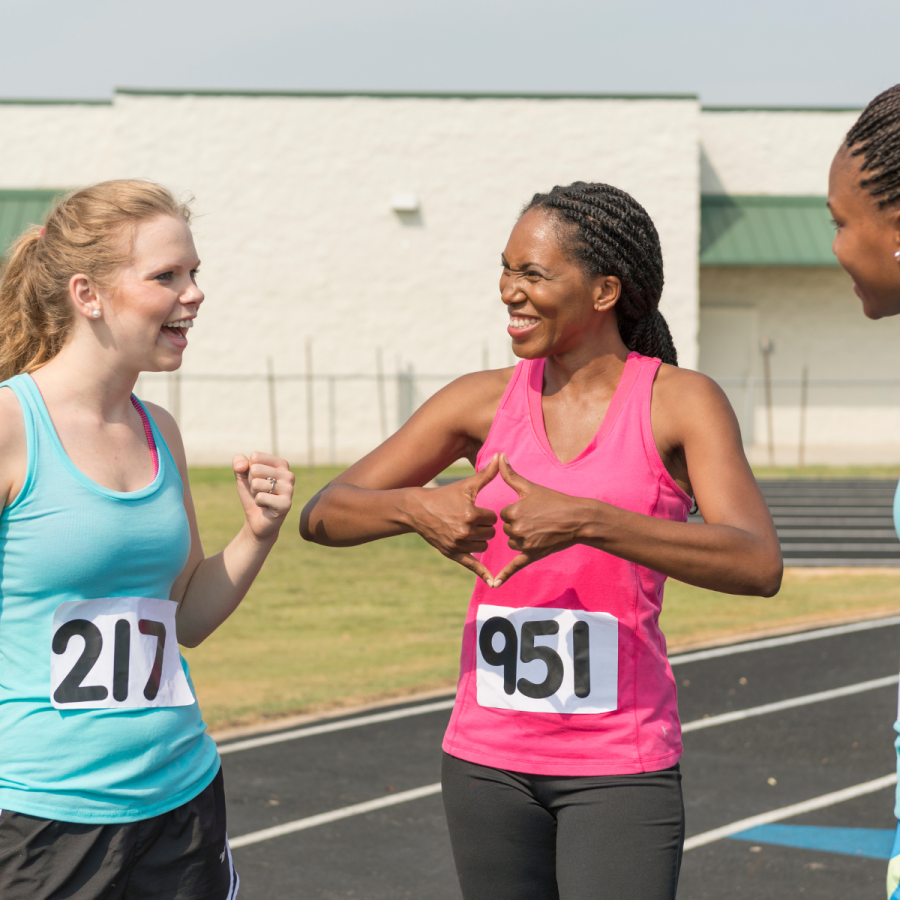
column 513, row 404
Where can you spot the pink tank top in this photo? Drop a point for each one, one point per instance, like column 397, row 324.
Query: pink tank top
column 564, row 668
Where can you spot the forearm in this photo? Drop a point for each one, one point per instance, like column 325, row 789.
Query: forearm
column 718, row 557
column 343, row 515
column 218, row 585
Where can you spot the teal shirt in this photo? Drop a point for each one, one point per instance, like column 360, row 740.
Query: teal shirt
column 66, row 538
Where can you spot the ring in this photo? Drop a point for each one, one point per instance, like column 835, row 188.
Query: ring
column 271, row 484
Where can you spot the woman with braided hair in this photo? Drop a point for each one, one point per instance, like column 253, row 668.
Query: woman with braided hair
column 864, row 199
column 560, row 770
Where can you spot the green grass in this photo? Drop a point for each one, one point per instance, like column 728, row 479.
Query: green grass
column 892, row 472
column 323, row 628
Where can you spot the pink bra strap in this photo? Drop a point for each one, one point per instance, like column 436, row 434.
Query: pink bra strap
column 154, row 453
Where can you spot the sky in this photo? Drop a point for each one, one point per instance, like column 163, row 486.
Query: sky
column 765, row 52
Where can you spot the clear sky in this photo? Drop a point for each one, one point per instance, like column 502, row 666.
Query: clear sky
column 754, row 52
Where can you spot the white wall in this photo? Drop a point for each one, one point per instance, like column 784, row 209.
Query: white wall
column 298, row 239
column 299, row 242
column 55, row 145
column 814, row 319
column 770, row 152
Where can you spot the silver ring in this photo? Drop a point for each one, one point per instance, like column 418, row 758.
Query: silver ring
column 271, row 484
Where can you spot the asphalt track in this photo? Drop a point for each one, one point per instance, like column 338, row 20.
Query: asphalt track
column 769, row 727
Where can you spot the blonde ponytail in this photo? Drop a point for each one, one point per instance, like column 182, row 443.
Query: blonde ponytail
column 89, row 232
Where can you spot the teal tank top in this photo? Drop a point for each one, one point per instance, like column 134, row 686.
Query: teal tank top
column 99, row 722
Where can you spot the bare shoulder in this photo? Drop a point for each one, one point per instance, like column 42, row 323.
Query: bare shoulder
column 687, row 390
column 12, row 424
column 472, row 400
column 487, row 386
column 13, row 447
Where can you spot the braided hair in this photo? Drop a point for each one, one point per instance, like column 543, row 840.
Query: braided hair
column 612, row 234
column 876, row 137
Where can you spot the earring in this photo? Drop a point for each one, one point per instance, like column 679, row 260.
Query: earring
column 897, row 255
column 95, row 313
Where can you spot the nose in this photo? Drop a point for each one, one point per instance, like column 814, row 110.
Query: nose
column 510, row 293
column 193, row 295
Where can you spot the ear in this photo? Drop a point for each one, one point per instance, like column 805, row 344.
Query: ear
column 84, row 295
column 894, row 224
column 607, row 290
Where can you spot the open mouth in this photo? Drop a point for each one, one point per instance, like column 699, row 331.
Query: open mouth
column 179, row 327
column 519, row 326
column 176, row 331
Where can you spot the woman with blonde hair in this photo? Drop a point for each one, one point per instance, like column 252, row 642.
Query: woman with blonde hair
column 109, row 785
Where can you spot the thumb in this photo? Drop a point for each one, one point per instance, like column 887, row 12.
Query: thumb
column 241, row 466
column 487, row 474
column 511, row 477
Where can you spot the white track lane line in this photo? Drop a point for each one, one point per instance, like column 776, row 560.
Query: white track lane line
column 324, row 818
column 787, row 812
column 713, row 653
column 328, row 727
column 393, row 799
column 739, row 714
column 783, row 640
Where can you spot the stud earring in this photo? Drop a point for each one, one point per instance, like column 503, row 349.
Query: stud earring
column 897, row 255
column 95, row 313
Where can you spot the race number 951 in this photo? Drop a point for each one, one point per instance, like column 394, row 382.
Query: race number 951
column 547, row 660
column 116, row 653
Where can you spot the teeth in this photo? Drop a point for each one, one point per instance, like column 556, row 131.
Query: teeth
column 180, row 323
column 519, row 322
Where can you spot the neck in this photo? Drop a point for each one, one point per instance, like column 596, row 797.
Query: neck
column 587, row 366
column 81, row 377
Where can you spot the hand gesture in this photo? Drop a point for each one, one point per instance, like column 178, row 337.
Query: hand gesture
column 265, row 486
column 539, row 523
column 449, row 520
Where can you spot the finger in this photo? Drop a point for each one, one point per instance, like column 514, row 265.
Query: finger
column 477, row 481
column 266, row 459
column 473, row 565
column 241, row 466
column 484, row 516
column 519, row 484
column 277, row 504
column 258, row 470
column 509, row 513
column 522, row 560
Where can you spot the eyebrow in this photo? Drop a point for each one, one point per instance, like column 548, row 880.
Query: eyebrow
column 525, row 265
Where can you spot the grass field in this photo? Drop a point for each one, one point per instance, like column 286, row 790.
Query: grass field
column 323, row 628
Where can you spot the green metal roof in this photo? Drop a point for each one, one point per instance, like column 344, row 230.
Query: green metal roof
column 765, row 231
column 21, row 208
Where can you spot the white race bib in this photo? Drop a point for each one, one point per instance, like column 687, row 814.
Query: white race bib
column 116, row 653
column 547, row 660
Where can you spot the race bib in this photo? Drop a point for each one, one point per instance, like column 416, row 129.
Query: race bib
column 116, row 653
column 547, row 660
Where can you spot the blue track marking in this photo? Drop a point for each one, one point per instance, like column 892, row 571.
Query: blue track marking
column 872, row 843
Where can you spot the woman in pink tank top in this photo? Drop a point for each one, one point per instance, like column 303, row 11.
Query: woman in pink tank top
column 561, row 758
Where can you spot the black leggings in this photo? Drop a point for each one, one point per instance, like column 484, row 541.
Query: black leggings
column 543, row 837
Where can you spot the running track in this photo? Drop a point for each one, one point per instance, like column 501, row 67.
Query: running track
column 789, row 736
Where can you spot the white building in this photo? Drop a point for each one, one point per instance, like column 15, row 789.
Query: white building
column 340, row 229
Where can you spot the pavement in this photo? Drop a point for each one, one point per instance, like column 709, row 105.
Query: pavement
column 787, row 770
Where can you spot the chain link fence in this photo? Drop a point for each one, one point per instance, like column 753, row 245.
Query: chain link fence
column 316, row 418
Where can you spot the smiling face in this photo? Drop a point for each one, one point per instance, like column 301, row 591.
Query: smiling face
column 154, row 297
column 867, row 238
column 554, row 307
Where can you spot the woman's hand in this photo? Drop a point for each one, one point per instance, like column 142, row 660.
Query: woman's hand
column 449, row 520
column 265, row 486
column 539, row 523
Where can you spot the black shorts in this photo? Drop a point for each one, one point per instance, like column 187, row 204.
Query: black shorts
column 179, row 855
column 548, row 837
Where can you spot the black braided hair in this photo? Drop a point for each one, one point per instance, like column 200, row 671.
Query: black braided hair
column 876, row 137
column 614, row 235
